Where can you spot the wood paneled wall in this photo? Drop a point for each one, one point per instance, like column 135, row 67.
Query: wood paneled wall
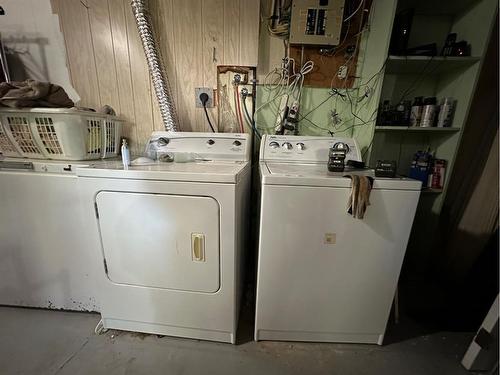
column 107, row 63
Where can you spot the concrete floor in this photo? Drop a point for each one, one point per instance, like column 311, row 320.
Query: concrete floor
column 54, row 342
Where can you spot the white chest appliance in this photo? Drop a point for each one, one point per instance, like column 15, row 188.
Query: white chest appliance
column 171, row 236
column 44, row 257
column 322, row 274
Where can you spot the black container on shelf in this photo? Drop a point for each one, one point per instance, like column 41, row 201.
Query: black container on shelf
column 401, row 32
column 416, row 111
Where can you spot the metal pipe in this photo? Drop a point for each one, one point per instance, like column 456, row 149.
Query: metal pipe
column 156, row 69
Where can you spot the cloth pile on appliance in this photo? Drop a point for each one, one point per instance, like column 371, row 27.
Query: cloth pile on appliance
column 31, row 93
column 361, row 186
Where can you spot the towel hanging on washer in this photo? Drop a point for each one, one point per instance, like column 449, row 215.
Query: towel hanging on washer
column 359, row 199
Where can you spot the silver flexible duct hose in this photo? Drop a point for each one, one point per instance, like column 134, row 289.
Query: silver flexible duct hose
column 156, row 68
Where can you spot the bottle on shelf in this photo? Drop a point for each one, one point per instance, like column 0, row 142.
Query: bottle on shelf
column 400, row 112
column 429, row 111
column 416, row 111
column 385, row 109
column 437, row 174
column 446, row 112
column 402, row 115
column 420, row 167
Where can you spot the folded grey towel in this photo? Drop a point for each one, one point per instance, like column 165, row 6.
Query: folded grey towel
column 359, row 199
column 31, row 93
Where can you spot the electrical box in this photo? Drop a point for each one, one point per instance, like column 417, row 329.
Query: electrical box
column 316, row 22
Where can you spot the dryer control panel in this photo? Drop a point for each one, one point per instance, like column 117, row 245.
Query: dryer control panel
column 210, row 146
column 305, row 149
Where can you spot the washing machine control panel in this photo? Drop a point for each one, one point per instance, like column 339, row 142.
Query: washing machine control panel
column 305, row 149
column 210, row 146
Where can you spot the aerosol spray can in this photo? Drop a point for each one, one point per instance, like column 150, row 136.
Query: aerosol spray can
column 429, row 112
column 438, row 173
column 416, row 111
column 125, row 154
column 406, row 113
column 446, row 112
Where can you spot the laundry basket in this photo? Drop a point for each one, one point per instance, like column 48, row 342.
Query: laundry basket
column 58, row 134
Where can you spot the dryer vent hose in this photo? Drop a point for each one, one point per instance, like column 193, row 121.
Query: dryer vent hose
column 156, row 69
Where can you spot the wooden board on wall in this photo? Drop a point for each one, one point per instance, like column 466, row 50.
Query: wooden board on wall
column 108, row 66
column 74, row 20
column 163, row 21
column 327, row 64
column 123, row 71
column 141, row 84
column 188, row 46
column 213, row 51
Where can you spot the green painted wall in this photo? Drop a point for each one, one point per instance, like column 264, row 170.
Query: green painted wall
column 316, row 103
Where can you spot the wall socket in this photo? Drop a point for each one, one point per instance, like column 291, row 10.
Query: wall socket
column 206, row 90
column 342, row 72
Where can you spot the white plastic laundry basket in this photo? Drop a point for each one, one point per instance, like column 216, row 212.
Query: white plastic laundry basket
column 59, row 134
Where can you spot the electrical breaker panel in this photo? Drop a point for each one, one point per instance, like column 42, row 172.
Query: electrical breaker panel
column 316, row 21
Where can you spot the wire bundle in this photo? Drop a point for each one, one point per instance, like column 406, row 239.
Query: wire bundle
column 347, row 104
column 284, row 81
column 278, row 23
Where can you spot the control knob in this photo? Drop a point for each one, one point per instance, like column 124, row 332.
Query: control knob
column 210, row 142
column 287, row 145
column 162, row 141
column 341, row 146
column 274, row 144
column 301, row 146
column 236, row 143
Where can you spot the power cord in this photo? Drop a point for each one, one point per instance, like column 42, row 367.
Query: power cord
column 204, row 99
column 250, row 119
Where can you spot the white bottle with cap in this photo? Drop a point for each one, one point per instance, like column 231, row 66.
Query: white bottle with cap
column 125, row 154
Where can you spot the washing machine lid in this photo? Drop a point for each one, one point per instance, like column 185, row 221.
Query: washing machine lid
column 200, row 171
column 317, row 174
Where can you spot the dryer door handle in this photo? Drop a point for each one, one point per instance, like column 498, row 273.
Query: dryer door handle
column 198, row 247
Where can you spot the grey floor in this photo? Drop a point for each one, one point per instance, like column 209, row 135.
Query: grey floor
column 54, row 342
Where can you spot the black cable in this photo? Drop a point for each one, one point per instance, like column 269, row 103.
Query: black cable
column 363, row 154
column 252, row 120
column 208, row 119
column 204, row 100
column 304, row 117
column 335, row 92
column 418, row 78
column 316, row 125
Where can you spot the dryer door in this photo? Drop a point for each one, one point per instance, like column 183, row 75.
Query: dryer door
column 160, row 241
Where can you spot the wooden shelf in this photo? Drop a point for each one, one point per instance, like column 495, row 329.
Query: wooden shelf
column 431, row 191
column 415, row 129
column 432, row 65
column 437, row 8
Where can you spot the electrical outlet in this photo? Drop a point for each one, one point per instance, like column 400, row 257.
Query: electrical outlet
column 200, row 90
column 342, row 72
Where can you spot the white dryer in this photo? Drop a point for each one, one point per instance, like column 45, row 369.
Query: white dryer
column 171, row 236
column 322, row 274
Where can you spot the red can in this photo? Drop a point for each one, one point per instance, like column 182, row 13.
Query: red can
column 438, row 173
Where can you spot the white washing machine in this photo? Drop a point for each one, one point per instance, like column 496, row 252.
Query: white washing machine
column 171, row 236
column 323, row 275
column 44, row 258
